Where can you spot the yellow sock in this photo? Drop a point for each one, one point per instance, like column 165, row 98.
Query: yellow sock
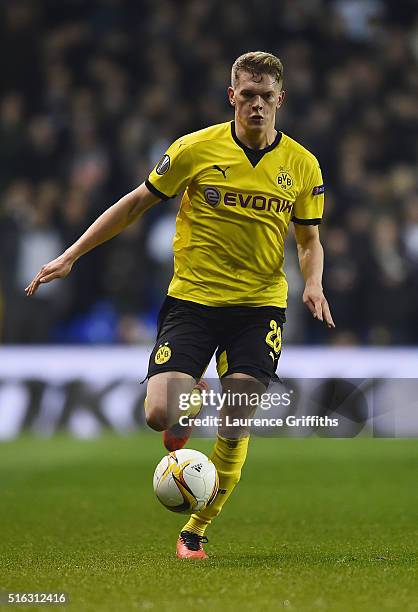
column 228, row 456
column 195, row 403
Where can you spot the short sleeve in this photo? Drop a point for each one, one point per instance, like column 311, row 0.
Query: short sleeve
column 309, row 205
column 173, row 172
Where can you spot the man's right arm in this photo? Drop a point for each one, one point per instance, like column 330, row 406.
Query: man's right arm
column 110, row 223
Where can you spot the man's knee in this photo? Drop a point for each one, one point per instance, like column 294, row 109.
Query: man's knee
column 156, row 415
column 162, row 403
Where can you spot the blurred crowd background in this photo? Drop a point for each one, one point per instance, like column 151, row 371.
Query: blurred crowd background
column 92, row 93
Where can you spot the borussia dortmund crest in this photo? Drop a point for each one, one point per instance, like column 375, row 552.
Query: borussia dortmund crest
column 163, row 354
column 284, row 180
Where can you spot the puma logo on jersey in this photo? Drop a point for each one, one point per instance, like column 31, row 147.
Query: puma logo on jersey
column 220, row 170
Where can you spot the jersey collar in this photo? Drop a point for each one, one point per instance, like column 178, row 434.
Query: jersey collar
column 254, row 155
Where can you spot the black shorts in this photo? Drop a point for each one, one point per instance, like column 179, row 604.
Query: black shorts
column 246, row 339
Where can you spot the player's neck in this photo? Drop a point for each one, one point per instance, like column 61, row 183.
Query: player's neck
column 255, row 139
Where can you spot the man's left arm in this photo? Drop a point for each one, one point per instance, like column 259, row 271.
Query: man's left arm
column 311, row 262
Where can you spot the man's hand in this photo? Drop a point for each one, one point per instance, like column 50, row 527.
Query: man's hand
column 57, row 268
column 314, row 300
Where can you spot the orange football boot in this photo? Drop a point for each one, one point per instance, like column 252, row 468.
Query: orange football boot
column 189, row 546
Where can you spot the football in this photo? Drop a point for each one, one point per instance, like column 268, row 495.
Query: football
column 185, row 481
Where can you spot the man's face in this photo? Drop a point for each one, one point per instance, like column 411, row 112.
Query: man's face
column 256, row 99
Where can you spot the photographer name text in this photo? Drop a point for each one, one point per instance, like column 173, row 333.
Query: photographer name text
column 289, row 421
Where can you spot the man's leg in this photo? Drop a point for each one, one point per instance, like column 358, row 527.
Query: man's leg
column 184, row 346
column 162, row 404
column 230, row 448
column 247, row 356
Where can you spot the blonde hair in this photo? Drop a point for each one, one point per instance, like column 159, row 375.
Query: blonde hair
column 258, row 63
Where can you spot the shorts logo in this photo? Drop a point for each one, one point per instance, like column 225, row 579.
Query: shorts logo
column 163, row 354
column 274, row 339
column 163, row 165
column 318, row 190
column 212, row 196
column 284, row 180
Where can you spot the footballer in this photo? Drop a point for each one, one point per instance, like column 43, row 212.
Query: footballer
column 243, row 182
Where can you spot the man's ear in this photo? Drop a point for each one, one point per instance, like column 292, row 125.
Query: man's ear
column 281, row 98
column 231, row 97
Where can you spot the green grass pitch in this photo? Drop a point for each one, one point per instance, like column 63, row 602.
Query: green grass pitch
column 315, row 524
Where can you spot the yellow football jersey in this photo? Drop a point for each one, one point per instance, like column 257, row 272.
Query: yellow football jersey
column 235, row 213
